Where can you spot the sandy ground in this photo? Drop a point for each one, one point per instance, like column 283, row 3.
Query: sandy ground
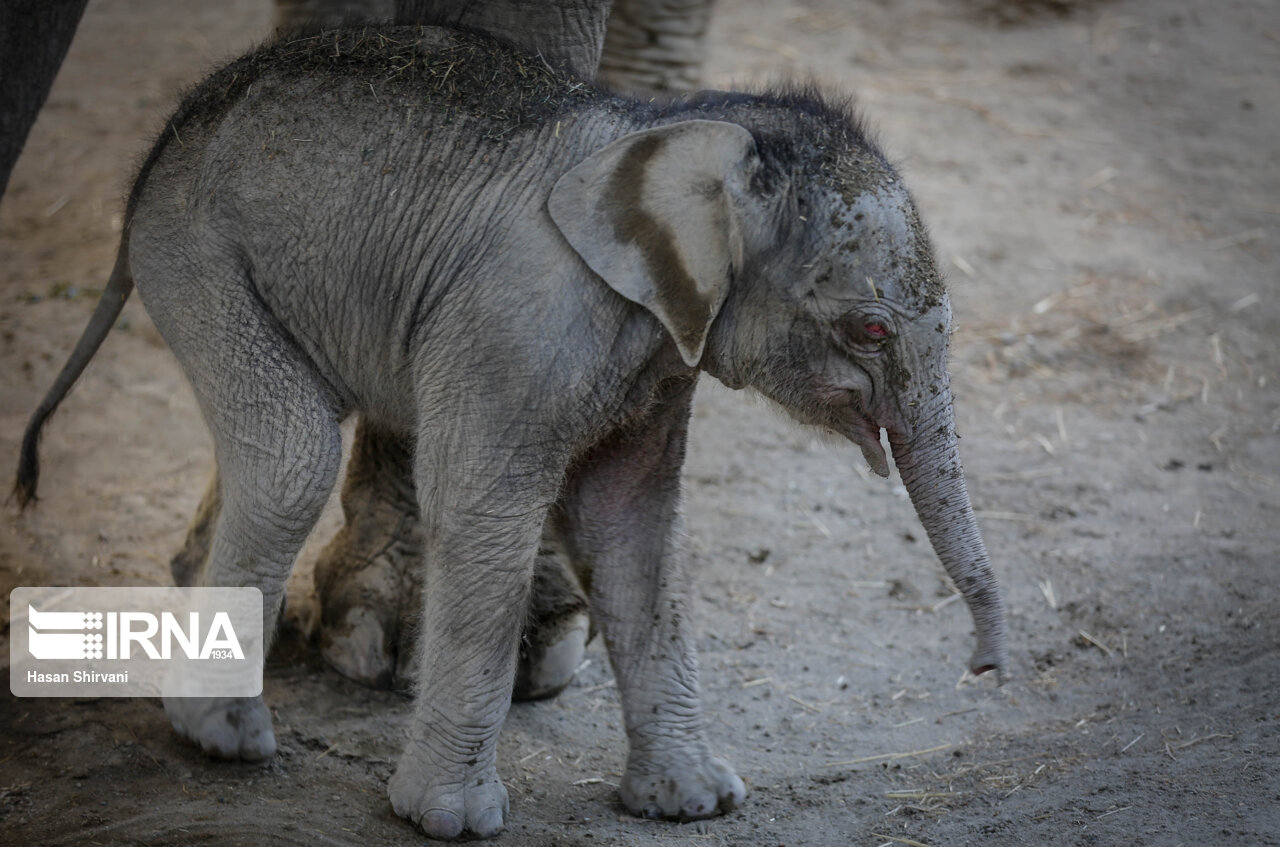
column 1104, row 188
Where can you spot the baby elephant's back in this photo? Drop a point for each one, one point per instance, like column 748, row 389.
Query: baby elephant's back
column 346, row 178
column 314, row 119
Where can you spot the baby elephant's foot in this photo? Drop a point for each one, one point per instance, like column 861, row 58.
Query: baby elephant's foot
column 474, row 804
column 366, row 613
column 360, row 647
column 688, row 791
column 550, row 657
column 224, row 727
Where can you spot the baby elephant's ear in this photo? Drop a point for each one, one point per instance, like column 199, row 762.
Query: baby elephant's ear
column 657, row 214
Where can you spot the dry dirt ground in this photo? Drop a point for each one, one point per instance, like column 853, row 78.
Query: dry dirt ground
column 1103, row 181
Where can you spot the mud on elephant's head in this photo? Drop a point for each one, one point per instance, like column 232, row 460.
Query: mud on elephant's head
column 781, row 251
column 845, row 321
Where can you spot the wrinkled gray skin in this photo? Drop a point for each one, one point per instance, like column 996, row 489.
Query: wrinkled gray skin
column 314, row 248
column 655, row 45
column 366, row 580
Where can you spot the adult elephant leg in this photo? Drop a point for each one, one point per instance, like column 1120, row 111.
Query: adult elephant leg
column 568, row 32
column 655, row 45
column 34, row 37
column 647, row 45
column 290, row 14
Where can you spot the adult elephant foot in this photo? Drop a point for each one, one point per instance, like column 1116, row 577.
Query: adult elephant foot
column 368, row 593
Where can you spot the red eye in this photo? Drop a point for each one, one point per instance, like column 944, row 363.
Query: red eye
column 878, row 331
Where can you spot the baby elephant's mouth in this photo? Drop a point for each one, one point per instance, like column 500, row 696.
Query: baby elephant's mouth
column 850, row 412
column 865, row 432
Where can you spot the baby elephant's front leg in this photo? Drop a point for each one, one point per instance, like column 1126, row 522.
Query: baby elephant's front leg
column 622, row 515
column 478, row 567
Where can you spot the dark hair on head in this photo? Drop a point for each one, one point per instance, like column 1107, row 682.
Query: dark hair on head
column 815, row 115
column 837, row 112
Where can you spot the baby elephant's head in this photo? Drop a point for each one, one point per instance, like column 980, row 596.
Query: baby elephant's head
column 788, row 257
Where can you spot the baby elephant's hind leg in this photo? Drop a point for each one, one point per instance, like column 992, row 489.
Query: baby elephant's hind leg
column 557, row 627
column 187, row 565
column 368, row 580
column 275, row 432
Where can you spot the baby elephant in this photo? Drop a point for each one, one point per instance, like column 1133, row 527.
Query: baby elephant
column 522, row 276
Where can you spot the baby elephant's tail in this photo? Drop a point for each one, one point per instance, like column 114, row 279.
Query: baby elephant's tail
column 104, row 317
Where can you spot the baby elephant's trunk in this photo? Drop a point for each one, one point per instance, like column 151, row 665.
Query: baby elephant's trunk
column 930, row 466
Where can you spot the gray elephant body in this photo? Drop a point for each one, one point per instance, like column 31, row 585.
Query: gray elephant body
column 367, row 588
column 654, row 45
column 521, row 276
column 423, row 287
column 366, row 584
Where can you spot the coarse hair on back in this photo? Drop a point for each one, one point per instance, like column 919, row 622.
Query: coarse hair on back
column 466, row 71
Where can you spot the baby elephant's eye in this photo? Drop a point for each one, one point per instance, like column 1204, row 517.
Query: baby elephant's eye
column 875, row 330
column 866, row 334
